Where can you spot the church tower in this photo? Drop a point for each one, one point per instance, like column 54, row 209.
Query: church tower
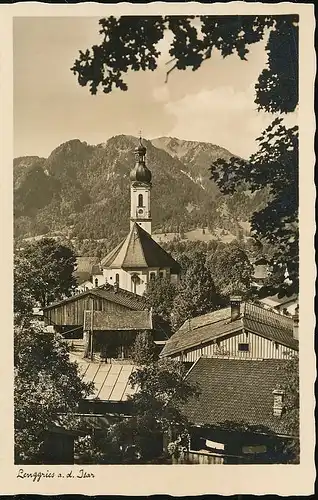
column 140, row 188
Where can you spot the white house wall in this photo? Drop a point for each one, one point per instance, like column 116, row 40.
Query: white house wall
column 87, row 285
column 125, row 280
column 291, row 307
column 259, row 347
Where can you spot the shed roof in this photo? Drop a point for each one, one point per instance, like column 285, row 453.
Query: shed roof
column 111, row 380
column 216, row 324
column 236, row 392
column 108, row 292
column 276, row 301
column 132, row 320
column 139, row 250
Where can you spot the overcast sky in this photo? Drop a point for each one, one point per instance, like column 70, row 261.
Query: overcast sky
column 213, row 104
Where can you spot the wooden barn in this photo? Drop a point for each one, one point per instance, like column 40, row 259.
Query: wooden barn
column 243, row 330
column 104, row 322
column 69, row 313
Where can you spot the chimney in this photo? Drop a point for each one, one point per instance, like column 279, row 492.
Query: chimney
column 295, row 322
column 278, row 402
column 235, row 302
column 116, row 287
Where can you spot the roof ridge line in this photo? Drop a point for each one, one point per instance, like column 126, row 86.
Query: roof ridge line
column 129, row 239
column 202, row 342
column 142, row 248
column 194, row 364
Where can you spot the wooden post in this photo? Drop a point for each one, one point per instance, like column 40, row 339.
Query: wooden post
column 91, row 333
column 87, row 343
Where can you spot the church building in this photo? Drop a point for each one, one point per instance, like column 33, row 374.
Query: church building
column 138, row 258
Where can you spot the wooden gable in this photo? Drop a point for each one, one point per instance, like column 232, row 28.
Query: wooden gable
column 70, row 312
column 233, row 346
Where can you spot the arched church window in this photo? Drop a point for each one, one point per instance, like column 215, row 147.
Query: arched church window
column 140, row 200
column 117, row 278
column 96, row 282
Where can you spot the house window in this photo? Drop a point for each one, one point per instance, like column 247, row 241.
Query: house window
column 243, row 347
column 152, row 275
column 140, row 200
column 161, row 274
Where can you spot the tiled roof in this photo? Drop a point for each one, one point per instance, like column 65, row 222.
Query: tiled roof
column 270, row 325
column 82, row 277
column 96, row 269
column 107, row 292
column 236, row 391
column 214, row 325
column 131, row 320
column 276, row 301
column 85, row 264
column 139, row 250
column 106, row 261
column 110, row 380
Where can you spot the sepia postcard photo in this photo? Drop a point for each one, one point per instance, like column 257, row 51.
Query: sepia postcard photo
column 158, row 215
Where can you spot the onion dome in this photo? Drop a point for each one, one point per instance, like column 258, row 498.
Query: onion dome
column 140, row 173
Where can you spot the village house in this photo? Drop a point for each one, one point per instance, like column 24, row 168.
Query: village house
column 281, row 305
column 84, row 273
column 243, row 330
column 261, row 271
column 238, row 416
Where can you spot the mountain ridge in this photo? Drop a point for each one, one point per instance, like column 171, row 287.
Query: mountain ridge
column 83, row 191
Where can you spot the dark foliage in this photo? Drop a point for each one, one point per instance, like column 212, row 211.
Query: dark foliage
column 43, row 272
column 46, row 386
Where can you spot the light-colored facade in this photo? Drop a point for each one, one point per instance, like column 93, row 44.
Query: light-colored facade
column 140, row 205
column 86, row 285
column 136, row 280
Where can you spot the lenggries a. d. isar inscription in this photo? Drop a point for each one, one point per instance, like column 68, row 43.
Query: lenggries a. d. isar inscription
column 36, row 476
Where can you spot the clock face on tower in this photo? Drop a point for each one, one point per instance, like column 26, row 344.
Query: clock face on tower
column 140, row 211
